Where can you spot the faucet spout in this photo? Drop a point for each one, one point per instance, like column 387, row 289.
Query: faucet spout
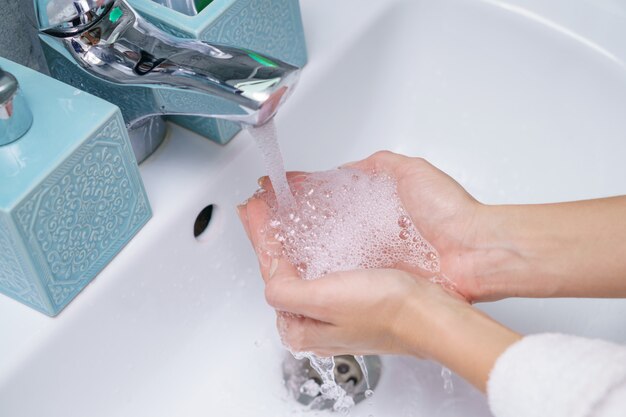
column 146, row 72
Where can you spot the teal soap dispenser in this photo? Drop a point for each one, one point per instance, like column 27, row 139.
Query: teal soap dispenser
column 71, row 195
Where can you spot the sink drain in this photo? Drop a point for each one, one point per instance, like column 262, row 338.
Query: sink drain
column 303, row 382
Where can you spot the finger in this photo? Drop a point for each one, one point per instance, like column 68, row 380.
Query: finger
column 242, row 212
column 312, row 298
column 386, row 161
column 294, row 178
column 303, row 334
column 286, row 291
column 267, row 248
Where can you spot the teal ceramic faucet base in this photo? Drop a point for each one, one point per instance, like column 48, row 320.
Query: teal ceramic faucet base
column 271, row 27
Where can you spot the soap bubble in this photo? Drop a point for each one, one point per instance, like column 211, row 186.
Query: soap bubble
column 404, row 222
column 310, row 388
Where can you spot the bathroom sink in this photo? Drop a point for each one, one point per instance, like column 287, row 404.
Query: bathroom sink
column 520, row 101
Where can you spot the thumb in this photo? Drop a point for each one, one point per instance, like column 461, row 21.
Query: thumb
column 385, row 161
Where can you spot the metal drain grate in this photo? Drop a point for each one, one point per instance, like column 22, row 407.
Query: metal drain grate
column 303, row 382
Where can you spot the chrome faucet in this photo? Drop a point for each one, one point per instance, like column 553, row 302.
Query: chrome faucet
column 105, row 48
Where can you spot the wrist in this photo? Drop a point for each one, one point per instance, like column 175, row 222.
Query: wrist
column 430, row 311
column 473, row 343
column 463, row 339
column 508, row 254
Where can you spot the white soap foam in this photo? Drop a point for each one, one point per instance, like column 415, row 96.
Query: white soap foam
column 347, row 219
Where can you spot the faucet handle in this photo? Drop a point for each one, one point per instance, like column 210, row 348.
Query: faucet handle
column 15, row 115
column 69, row 17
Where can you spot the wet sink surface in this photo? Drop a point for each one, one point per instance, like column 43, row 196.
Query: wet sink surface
column 519, row 101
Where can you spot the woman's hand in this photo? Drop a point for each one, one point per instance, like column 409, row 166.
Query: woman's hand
column 491, row 252
column 374, row 312
column 356, row 312
column 361, row 312
column 443, row 212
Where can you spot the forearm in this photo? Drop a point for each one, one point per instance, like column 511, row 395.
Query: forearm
column 575, row 249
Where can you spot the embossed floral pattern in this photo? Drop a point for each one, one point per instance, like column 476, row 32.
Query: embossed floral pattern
column 13, row 278
column 271, row 27
column 83, row 213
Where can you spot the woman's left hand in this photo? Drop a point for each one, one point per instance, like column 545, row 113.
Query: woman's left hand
column 373, row 311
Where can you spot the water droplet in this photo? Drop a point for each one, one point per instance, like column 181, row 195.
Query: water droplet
column 326, row 389
column 310, row 388
column 369, row 393
column 404, row 234
column 448, row 385
column 343, row 404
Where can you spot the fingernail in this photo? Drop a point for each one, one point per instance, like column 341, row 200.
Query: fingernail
column 298, row 177
column 264, row 257
column 273, row 267
column 242, row 213
column 244, row 202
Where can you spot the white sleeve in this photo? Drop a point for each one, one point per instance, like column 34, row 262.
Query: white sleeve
column 557, row 375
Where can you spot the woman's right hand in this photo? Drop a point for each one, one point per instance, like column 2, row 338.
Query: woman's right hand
column 570, row 249
column 449, row 218
column 493, row 252
column 455, row 223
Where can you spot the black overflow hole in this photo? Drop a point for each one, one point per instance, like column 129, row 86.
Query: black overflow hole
column 203, row 220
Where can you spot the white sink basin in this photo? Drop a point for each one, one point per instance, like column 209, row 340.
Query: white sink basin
column 521, row 101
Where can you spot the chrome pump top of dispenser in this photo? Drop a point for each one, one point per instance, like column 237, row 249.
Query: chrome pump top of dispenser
column 15, row 115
